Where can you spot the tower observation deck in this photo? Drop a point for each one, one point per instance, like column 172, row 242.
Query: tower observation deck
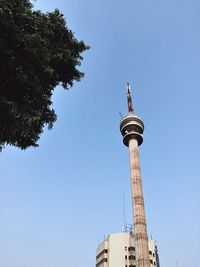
column 132, row 128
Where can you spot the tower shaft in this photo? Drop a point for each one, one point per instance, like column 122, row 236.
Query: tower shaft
column 140, row 228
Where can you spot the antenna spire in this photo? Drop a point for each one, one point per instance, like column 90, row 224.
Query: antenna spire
column 129, row 99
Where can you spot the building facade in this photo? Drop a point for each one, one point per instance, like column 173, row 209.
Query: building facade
column 118, row 250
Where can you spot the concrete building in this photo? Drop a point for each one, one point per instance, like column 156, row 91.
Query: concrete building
column 118, row 250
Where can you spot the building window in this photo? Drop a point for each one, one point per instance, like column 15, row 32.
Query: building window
column 150, row 252
column 131, row 257
column 131, row 249
column 153, row 254
column 125, row 257
column 101, row 253
column 132, row 265
column 151, row 261
column 125, row 248
column 101, row 261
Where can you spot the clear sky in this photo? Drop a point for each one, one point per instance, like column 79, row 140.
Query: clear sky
column 59, row 200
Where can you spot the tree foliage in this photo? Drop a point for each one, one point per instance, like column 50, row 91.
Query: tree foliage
column 37, row 53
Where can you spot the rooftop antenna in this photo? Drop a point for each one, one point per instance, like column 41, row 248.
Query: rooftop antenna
column 129, row 100
column 128, row 228
column 124, row 213
column 120, row 114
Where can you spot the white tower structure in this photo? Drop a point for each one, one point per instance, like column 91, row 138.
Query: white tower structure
column 131, row 249
column 132, row 128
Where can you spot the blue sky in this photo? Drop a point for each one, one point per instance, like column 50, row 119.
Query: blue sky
column 59, row 200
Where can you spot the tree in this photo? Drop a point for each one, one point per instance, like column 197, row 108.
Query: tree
column 37, row 53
